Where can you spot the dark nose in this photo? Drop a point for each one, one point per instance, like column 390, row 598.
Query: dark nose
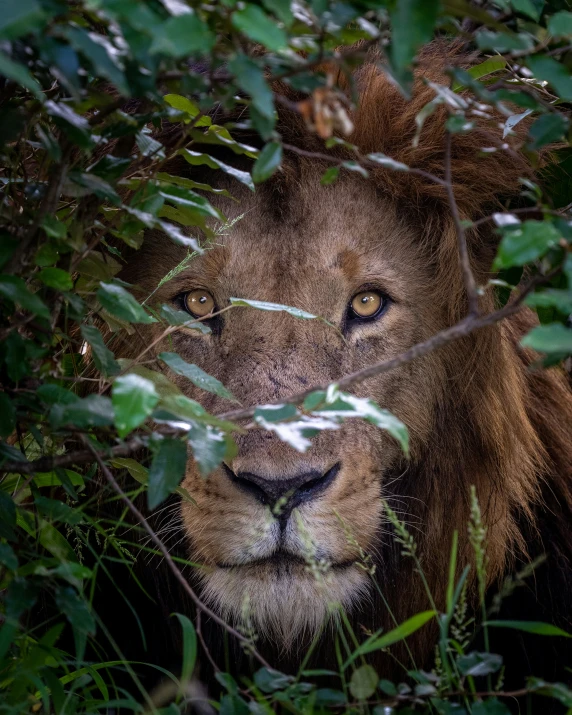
column 286, row 494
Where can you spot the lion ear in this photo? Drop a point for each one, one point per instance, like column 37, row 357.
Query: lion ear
column 485, row 167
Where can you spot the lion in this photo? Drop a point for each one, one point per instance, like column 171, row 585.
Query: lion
column 279, row 536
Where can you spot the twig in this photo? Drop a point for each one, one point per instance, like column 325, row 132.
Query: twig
column 167, row 556
column 464, row 259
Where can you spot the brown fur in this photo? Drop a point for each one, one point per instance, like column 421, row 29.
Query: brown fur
column 476, row 413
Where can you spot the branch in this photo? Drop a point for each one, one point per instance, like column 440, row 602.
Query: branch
column 168, row 558
column 468, row 277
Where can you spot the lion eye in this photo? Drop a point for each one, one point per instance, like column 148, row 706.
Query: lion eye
column 366, row 304
column 199, row 303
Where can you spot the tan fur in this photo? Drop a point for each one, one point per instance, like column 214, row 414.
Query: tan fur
column 476, row 414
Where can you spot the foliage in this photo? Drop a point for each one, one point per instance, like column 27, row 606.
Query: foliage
column 84, row 176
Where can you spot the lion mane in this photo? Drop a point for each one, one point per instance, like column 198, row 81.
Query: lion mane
column 501, row 425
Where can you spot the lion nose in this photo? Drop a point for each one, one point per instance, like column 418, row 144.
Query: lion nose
column 286, row 494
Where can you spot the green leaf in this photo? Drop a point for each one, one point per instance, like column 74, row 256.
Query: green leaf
column 53, row 227
column 344, row 405
column 101, row 53
column 503, row 41
column 181, row 196
column 328, row 698
column 189, row 648
column 196, row 375
column 559, row 691
column 184, row 104
column 269, row 680
column 267, row 163
column 7, row 415
column 363, row 682
column 530, row 8
column 197, row 159
column 553, row 338
column 19, row 74
column 167, row 470
column 77, row 612
column 256, row 25
column 182, row 36
column 57, row 510
column 402, row 631
column 276, row 413
column 15, row 289
column 561, row 300
column 412, row 23
column 133, row 398
column 7, row 515
column 8, row 557
column 250, row 78
column 554, row 73
column 387, row 162
column 330, row 175
column 91, row 411
column 263, row 305
column 492, row 706
column 209, row 445
column 547, row 129
column 560, row 24
column 102, row 356
column 76, row 127
column 477, row 664
column 525, row 242
column 538, row 627
column 20, row 17
column 119, row 302
column 56, row 278
column 181, row 317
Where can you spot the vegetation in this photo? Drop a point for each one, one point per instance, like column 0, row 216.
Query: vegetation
column 83, row 177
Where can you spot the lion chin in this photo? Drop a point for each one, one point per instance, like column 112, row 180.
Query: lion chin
column 284, row 599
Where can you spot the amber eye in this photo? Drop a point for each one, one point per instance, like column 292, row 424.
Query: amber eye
column 366, row 304
column 199, row 303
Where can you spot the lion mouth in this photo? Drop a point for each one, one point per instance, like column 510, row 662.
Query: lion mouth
column 281, row 559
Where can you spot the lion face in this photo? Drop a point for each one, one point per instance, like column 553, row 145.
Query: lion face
column 279, row 532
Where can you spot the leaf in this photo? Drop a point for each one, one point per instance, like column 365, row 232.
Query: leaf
column 525, row 242
column 57, row 510
column 530, row 8
column 103, row 358
column 554, row 73
column 20, row 18
column 7, row 515
column 559, row 691
column 538, row 627
column 197, row 159
column 184, row 104
column 196, row 375
column 477, row 664
column 181, row 36
column 298, row 432
column 167, row 470
column 101, row 53
column 330, row 175
column 8, row 557
column 553, row 338
column 250, row 78
column 560, row 24
column 547, row 129
column 136, row 470
column 76, row 127
column 387, row 162
column 328, row 698
column 19, row 74
column 133, row 398
column 276, row 413
column 77, row 612
column 7, row 415
column 119, row 302
column 513, row 120
column 209, row 445
column 269, row 680
column 181, row 317
column 91, row 411
column 256, row 25
column 56, row 278
column 363, row 682
column 181, row 196
column 263, row 305
column 492, row 706
column 15, row 289
column 189, row 648
column 503, row 41
column 412, row 23
column 268, row 162
column 402, row 631
column 342, row 404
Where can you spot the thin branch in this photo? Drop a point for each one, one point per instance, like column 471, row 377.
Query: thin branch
column 464, row 259
column 168, row 558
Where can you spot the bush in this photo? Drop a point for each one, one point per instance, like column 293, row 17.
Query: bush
column 98, row 97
